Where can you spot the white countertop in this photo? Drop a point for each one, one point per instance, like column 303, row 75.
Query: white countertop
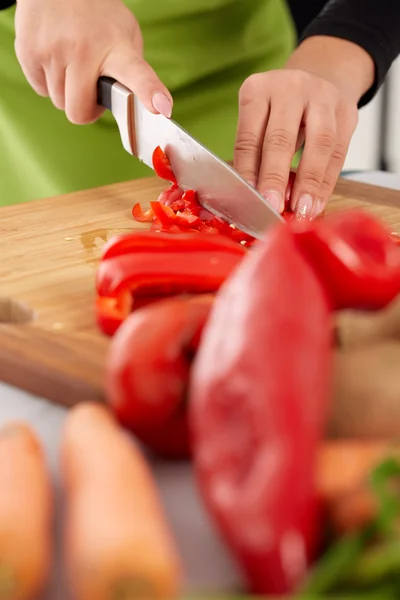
column 205, row 560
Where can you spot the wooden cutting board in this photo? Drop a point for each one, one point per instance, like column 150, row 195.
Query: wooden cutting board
column 49, row 343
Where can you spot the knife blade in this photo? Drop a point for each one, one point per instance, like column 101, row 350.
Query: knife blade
column 220, row 189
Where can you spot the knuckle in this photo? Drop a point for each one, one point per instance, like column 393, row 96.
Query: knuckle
column 298, row 79
column 311, row 178
column 249, row 89
column 280, row 140
column 274, row 180
column 246, row 142
column 339, row 153
column 328, row 183
column 325, row 141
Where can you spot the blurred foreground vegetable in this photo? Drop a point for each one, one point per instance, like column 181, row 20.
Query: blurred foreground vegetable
column 147, row 371
column 261, row 385
column 118, row 544
column 26, row 513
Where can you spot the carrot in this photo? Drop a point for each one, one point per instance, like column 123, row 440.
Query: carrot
column 117, row 543
column 25, row 514
column 342, row 480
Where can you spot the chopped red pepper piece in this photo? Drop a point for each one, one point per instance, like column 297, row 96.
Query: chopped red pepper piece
column 162, row 165
column 258, row 404
column 172, row 197
column 143, row 216
column 147, row 371
column 111, row 312
column 355, row 257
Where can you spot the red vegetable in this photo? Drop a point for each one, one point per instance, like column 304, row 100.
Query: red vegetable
column 162, row 165
column 158, row 265
column 147, row 371
column 110, row 312
column 356, row 258
column 146, row 241
column 258, row 402
column 143, row 216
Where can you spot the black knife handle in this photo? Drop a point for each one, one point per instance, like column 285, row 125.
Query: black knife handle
column 104, row 90
column 6, row 4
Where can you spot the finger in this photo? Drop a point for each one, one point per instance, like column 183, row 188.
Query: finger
column 55, row 78
column 130, row 69
column 32, row 70
column 81, row 92
column 36, row 78
column 253, row 117
column 320, row 130
column 346, row 125
column 278, row 150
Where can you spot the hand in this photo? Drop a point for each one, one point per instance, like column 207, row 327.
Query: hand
column 279, row 110
column 65, row 46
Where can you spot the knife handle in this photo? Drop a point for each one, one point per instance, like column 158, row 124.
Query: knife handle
column 104, row 91
column 120, row 101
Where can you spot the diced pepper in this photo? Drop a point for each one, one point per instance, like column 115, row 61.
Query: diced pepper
column 162, row 165
column 258, row 404
column 355, row 257
column 111, row 312
column 147, row 371
column 143, row 216
column 172, row 196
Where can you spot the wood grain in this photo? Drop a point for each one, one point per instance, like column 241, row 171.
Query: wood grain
column 50, row 249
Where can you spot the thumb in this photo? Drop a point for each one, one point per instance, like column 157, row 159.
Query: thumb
column 130, row 69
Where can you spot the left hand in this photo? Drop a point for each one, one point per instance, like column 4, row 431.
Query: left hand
column 278, row 110
column 313, row 99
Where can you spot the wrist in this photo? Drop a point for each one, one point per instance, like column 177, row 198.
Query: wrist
column 345, row 64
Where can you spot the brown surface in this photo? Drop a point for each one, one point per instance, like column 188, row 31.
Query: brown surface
column 50, row 251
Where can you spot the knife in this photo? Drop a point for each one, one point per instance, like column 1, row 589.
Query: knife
column 220, row 189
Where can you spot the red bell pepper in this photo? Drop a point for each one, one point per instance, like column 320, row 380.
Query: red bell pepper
column 355, row 257
column 147, row 371
column 162, row 165
column 110, row 312
column 194, row 272
column 259, row 389
column 147, row 241
column 159, row 264
column 258, row 403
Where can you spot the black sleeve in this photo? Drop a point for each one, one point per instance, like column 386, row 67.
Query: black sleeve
column 6, row 4
column 372, row 24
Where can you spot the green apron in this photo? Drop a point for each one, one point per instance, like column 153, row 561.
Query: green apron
column 201, row 49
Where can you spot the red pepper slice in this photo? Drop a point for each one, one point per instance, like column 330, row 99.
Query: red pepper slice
column 258, row 404
column 172, row 197
column 193, row 272
column 147, row 371
column 143, row 216
column 355, row 257
column 163, row 213
column 143, row 241
column 162, row 165
column 111, row 312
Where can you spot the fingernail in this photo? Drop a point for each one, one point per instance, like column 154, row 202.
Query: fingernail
column 162, row 104
column 274, row 200
column 318, row 207
column 304, row 206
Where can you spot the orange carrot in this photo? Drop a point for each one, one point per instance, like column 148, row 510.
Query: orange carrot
column 342, row 479
column 25, row 514
column 117, row 543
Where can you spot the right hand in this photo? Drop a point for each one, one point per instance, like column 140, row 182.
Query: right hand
column 64, row 47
